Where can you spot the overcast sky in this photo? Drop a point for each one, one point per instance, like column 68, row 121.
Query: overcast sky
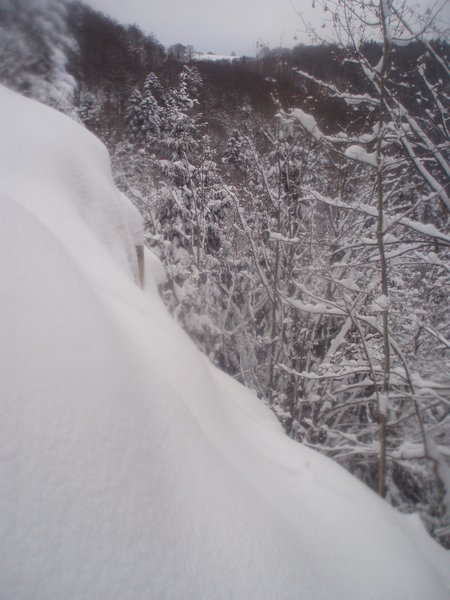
column 224, row 26
column 219, row 26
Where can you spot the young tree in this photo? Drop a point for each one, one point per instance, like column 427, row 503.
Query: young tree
column 399, row 223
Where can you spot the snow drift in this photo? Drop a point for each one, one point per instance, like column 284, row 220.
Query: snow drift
column 130, row 468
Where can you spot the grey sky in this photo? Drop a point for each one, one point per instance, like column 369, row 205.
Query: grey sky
column 223, row 26
column 213, row 25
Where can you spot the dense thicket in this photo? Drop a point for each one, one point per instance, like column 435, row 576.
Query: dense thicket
column 299, row 203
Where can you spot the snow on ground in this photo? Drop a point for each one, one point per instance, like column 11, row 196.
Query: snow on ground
column 130, row 468
column 211, row 57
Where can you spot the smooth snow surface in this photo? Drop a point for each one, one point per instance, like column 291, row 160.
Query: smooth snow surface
column 130, row 468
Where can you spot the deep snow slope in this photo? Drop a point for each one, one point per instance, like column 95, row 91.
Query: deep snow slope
column 130, row 468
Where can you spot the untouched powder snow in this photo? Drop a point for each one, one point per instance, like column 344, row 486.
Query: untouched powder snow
column 130, row 468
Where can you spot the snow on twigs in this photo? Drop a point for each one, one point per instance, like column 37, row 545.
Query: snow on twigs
column 307, row 121
column 358, row 153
